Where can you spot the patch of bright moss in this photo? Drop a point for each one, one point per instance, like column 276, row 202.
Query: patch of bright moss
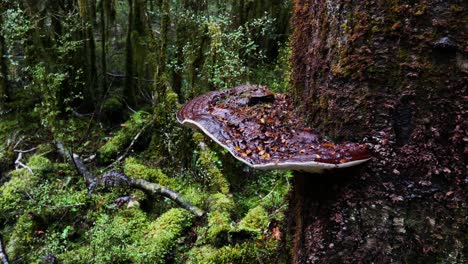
column 219, row 225
column 256, row 219
column 220, row 202
column 21, row 239
column 162, row 235
column 14, row 191
column 113, row 237
column 39, row 164
column 194, row 194
column 134, row 169
column 249, row 252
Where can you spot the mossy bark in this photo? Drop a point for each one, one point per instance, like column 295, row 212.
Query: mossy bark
column 3, row 72
column 129, row 92
column 103, row 27
column 391, row 74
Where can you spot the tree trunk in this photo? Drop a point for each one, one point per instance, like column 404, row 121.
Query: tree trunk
column 392, row 74
column 129, row 92
column 3, row 71
column 103, row 26
column 87, row 12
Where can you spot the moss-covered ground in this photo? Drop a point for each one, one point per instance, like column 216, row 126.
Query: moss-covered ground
column 47, row 211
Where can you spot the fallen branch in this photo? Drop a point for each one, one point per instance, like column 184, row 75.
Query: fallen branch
column 3, row 256
column 25, row 151
column 75, row 159
column 116, row 178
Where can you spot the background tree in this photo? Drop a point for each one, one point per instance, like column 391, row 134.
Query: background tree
column 392, row 74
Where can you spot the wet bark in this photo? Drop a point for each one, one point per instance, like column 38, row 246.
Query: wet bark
column 393, row 75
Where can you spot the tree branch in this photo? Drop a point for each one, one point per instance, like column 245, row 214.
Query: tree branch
column 115, row 178
column 18, row 163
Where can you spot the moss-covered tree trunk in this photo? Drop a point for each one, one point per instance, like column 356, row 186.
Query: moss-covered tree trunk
column 129, row 92
column 103, row 27
column 392, row 74
column 87, row 10
column 3, row 70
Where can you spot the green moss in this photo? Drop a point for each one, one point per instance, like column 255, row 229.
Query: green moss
column 194, row 194
column 255, row 220
column 249, row 252
column 117, row 144
column 198, row 137
column 113, row 237
column 211, row 175
column 134, row 169
column 21, row 239
column 112, row 109
column 219, row 225
column 220, row 202
column 203, row 254
column 39, row 164
column 14, row 191
column 161, row 236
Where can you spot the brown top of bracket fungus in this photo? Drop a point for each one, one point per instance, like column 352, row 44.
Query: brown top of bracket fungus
column 263, row 130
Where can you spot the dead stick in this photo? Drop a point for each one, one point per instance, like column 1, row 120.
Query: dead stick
column 155, row 189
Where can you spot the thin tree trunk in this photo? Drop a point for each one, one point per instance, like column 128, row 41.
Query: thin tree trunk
column 3, row 72
column 129, row 92
column 165, row 23
column 103, row 47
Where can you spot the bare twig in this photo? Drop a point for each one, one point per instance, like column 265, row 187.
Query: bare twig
column 18, row 142
column 25, row 151
column 123, row 76
column 20, row 164
column 3, row 256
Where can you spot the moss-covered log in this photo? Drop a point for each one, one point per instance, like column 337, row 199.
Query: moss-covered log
column 392, row 74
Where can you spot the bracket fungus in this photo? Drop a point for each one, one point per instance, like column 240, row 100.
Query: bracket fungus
column 262, row 129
